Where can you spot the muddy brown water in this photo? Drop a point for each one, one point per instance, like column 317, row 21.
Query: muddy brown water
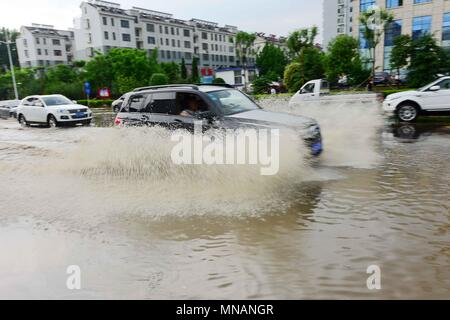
column 144, row 229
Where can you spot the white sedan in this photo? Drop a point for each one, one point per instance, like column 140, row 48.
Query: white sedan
column 53, row 111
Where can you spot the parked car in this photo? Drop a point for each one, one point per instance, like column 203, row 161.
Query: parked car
column 382, row 78
column 53, row 111
column 431, row 99
column 220, row 106
column 318, row 92
column 117, row 104
column 8, row 108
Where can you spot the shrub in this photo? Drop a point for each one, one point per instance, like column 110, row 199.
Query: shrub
column 159, row 79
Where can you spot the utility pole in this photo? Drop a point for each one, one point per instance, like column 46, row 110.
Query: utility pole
column 8, row 45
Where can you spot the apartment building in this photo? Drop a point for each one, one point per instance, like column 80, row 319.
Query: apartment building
column 43, row 45
column 262, row 39
column 337, row 19
column 411, row 17
column 104, row 25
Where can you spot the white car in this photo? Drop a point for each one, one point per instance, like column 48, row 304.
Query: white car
column 432, row 99
column 53, row 111
column 317, row 92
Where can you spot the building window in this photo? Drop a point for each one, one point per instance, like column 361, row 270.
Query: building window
column 38, row 40
column 39, row 52
column 105, row 21
column 44, row 40
column 57, row 53
column 204, row 36
column 56, row 42
column 205, row 57
column 188, row 55
column 167, row 42
column 421, row 1
column 112, row 22
column 166, row 30
column 187, row 44
column 173, row 43
column 394, row 3
column 125, row 24
column 150, row 27
column 187, row 33
column 393, row 30
column 421, row 26
column 46, row 52
column 205, row 46
column 126, row 37
column 172, row 31
column 366, row 4
column 446, row 27
column 363, row 43
column 151, row 40
column 106, row 35
column 237, row 77
column 114, row 36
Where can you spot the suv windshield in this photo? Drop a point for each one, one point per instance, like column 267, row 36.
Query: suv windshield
column 232, row 101
column 56, row 101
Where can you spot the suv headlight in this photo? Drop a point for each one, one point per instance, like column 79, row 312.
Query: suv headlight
column 64, row 111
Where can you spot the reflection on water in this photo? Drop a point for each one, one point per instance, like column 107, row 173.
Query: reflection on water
column 224, row 232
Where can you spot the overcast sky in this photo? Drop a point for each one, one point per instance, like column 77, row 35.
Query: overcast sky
column 272, row 17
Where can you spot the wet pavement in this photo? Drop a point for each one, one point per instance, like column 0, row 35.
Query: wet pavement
column 105, row 200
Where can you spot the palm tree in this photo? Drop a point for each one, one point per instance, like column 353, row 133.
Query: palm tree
column 244, row 48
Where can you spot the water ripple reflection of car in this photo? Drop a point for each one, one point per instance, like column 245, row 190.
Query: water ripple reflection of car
column 411, row 132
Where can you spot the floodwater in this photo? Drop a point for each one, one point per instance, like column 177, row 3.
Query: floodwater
column 110, row 201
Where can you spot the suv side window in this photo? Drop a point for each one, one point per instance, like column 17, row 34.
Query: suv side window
column 163, row 103
column 136, row 103
column 29, row 102
column 445, row 84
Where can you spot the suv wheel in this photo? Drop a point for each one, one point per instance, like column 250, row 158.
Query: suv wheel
column 51, row 122
column 407, row 113
column 23, row 122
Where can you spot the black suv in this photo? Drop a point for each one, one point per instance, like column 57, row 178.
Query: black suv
column 218, row 106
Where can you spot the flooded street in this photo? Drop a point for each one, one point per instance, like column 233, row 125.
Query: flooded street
column 109, row 201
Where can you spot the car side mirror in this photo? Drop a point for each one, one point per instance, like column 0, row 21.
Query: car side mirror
column 435, row 88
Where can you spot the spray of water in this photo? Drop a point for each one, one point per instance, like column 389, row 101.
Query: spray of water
column 350, row 129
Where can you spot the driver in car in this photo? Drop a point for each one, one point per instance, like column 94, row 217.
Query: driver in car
column 193, row 106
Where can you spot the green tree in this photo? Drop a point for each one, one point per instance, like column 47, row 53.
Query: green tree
column 159, row 79
column 219, row 81
column 292, row 77
column 172, row 70
column 427, row 59
column 183, row 69
column 244, row 47
column 271, row 62
column 309, row 66
column 374, row 22
column 195, row 74
column 261, row 85
column 343, row 58
column 300, row 39
column 401, row 52
column 4, row 59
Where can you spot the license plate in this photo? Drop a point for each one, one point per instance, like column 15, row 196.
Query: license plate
column 316, row 148
column 79, row 114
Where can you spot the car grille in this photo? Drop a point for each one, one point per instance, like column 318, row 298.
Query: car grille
column 80, row 117
column 78, row 110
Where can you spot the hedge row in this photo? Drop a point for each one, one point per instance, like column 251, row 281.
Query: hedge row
column 96, row 103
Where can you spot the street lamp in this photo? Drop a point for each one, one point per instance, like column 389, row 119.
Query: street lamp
column 8, row 45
